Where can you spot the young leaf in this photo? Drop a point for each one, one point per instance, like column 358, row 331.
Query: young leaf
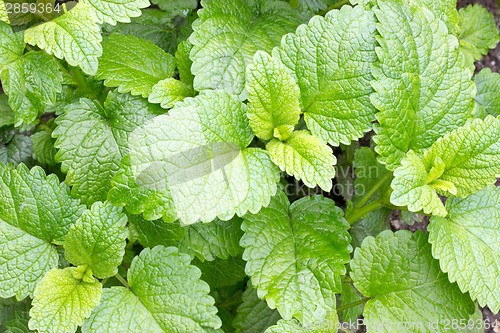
column 63, row 299
column 31, row 82
column 296, row 254
column 111, row 11
column 133, row 64
column 97, row 239
column 330, row 59
column 273, row 96
column 170, row 91
column 254, row 316
column 228, row 33
column 305, row 157
column 200, row 148
column 11, row 45
column 92, row 140
column 445, row 10
column 478, row 32
column 467, row 245
column 36, row 211
column 488, row 92
column 73, row 36
column 423, row 89
column 4, row 17
column 405, row 284
column 165, row 295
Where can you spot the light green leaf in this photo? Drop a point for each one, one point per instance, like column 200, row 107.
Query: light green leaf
column 6, row 113
column 293, row 326
column 63, row 299
column 331, row 59
column 166, row 295
column 348, row 296
column 73, row 36
column 273, row 97
column 31, row 82
column 296, row 254
column 3, row 13
column 467, row 244
column 111, row 11
column 170, row 91
column 133, row 64
column 200, row 148
column 254, row 316
column 184, row 63
column 478, row 32
column 228, row 33
column 11, row 44
column 17, row 149
column 176, row 7
column 97, row 239
column 445, row 10
column 153, row 233
column 369, row 172
column 488, row 92
column 423, row 89
column 92, row 140
column 36, row 211
column 43, row 145
column 305, row 157
column 405, row 284
column 126, row 193
column 222, row 272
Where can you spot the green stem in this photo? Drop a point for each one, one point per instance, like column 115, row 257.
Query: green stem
column 122, row 280
column 351, row 305
column 356, row 214
column 373, row 190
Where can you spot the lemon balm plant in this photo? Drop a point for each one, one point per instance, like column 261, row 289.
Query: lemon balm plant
column 147, row 151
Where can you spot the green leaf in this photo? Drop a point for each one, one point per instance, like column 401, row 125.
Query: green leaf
column 43, row 145
column 17, row 149
column 200, row 148
column 222, row 272
column 445, row 10
column 92, row 140
column 370, row 225
column 478, row 32
column 296, row 254
column 488, row 92
column 331, row 61
column 184, row 63
column 348, row 296
column 170, row 91
column 11, row 45
column 97, row 239
column 73, row 36
column 273, row 97
column 63, row 299
column 293, row 326
column 31, row 82
column 254, row 316
column 111, row 11
column 405, row 284
column 7, row 116
column 423, row 89
column 3, row 13
column 126, row 193
column 305, row 157
column 228, row 33
column 369, row 172
column 133, row 64
column 165, row 295
column 36, row 211
column 153, row 233
column 467, row 244
column 176, row 7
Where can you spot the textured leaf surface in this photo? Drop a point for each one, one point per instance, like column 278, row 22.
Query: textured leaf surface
column 222, row 273
column 184, row 63
column 170, row 91
column 296, row 254
column 445, row 10
column 330, row 59
column 478, row 32
column 63, row 299
column 6, row 114
column 273, row 97
column 176, row 7
column 16, row 150
column 488, row 92
column 31, row 82
column 254, row 316
column 73, row 36
column 228, row 33
column 36, row 211
column 405, row 283
column 305, row 157
column 43, row 145
column 293, row 326
column 11, row 44
column 133, row 64
column 200, row 149
column 423, row 89
column 467, row 244
column 348, row 296
column 92, row 140
column 166, row 296
column 97, row 239
column 111, row 11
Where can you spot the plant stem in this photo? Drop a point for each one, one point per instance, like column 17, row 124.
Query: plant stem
column 122, row 280
column 359, row 213
column 351, row 305
column 373, row 190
